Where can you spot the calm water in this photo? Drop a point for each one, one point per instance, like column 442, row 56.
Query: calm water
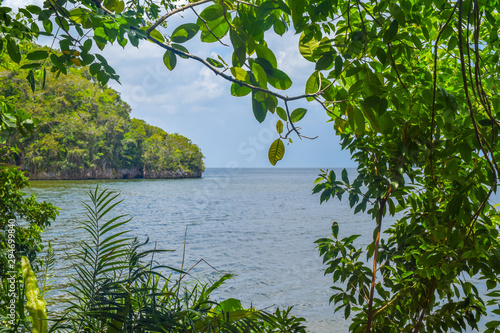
column 259, row 224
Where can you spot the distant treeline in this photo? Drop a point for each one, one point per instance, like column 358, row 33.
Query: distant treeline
column 84, row 130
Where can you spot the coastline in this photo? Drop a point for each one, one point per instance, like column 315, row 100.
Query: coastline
column 104, row 173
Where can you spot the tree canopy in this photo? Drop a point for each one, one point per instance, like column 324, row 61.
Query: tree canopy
column 410, row 87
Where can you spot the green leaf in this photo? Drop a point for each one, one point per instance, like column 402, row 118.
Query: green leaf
column 184, row 32
column 452, row 43
column 180, row 48
column 259, row 109
column 215, row 30
column 307, row 46
column 47, row 25
column 94, row 68
column 265, row 53
column 281, row 113
column 298, row 114
column 324, row 62
column 215, row 63
column 279, row 79
column 338, row 65
column 37, row 55
column 157, row 35
column 279, row 27
column 260, row 75
column 391, row 32
column 345, row 177
column 335, row 229
column 382, row 56
column 312, row 85
column 120, row 6
column 416, row 41
column 78, row 15
column 279, row 126
column 238, row 90
column 228, row 305
column 34, row 9
column 169, row 59
column 31, row 80
column 213, row 12
column 276, row 151
column 87, row 44
column 13, row 51
column 240, row 74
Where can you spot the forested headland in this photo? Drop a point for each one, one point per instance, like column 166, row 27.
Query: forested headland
column 84, row 130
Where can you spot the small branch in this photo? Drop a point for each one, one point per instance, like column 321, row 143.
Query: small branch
column 375, row 258
column 389, row 48
column 290, row 119
column 433, row 116
column 246, row 3
column 210, row 30
column 173, row 12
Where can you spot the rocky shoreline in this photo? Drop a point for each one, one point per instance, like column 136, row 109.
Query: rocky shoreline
column 105, row 173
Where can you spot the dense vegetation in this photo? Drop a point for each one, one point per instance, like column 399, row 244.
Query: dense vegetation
column 83, row 130
column 410, row 87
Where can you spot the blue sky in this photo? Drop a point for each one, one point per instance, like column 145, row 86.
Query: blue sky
column 194, row 102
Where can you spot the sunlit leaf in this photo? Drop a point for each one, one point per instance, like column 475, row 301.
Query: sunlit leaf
column 276, row 151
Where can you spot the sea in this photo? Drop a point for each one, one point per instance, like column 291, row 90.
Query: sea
column 258, row 224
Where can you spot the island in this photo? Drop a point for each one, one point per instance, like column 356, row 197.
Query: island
column 83, row 130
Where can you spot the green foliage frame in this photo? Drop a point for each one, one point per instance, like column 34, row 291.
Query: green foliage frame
column 410, row 87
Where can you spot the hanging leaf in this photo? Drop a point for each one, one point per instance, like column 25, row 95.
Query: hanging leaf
column 13, row 50
column 281, row 113
column 391, row 32
column 260, row 75
column 279, row 27
column 307, row 46
column 338, row 65
column 31, row 80
column 279, row 127
column 169, row 59
column 259, row 109
column 298, row 114
column 238, row 91
column 276, row 151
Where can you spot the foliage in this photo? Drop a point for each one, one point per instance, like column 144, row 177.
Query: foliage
column 118, row 287
column 410, row 89
column 22, row 221
column 84, row 129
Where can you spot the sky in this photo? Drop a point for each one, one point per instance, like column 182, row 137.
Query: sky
column 194, row 102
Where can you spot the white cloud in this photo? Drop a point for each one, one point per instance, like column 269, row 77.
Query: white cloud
column 15, row 4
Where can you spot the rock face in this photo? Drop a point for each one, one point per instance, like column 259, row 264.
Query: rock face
column 107, row 173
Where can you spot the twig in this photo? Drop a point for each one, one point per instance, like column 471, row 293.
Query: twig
column 383, row 202
column 173, row 12
column 210, row 30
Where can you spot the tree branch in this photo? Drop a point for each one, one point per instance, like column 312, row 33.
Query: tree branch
column 370, row 315
column 173, row 12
